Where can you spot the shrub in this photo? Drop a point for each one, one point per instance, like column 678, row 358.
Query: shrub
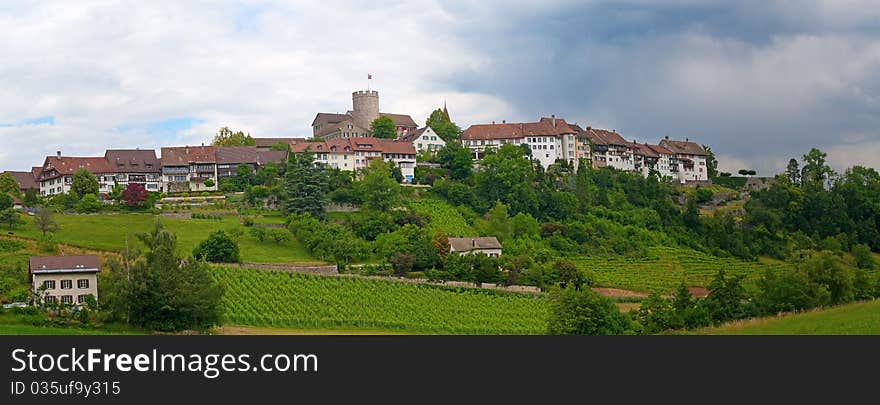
column 584, row 312
column 259, row 233
column 280, row 236
column 89, row 204
column 863, row 257
column 218, row 248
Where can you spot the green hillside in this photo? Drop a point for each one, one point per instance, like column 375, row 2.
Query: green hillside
column 861, row 318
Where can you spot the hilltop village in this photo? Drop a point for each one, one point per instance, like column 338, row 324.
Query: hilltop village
column 347, row 142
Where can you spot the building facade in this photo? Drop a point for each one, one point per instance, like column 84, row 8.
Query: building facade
column 64, row 279
column 56, row 175
column 187, row 168
column 356, row 122
column 134, row 166
column 690, row 159
column 424, row 140
column 548, row 140
column 352, row 154
column 486, row 245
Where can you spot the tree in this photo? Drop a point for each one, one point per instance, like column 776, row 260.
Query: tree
column 792, row 172
column 5, row 201
column 379, row 191
column 218, row 248
column 209, row 183
column 116, row 192
column 162, row 292
column 456, row 159
column 711, row 162
column 10, row 217
column 584, row 312
column 815, row 171
column 45, row 221
column 402, row 263
column 227, row 137
column 692, row 214
column 440, row 123
column 570, row 275
column 305, row 186
column 31, row 199
column 863, row 257
column 84, row 182
column 726, row 299
column 8, row 185
column 383, row 127
column 89, row 204
column 134, row 195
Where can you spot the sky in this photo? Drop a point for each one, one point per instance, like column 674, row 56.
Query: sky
column 758, row 81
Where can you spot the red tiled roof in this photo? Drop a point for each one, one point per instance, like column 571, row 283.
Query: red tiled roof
column 273, row 156
column 660, row 150
column 66, row 165
column 644, row 150
column 605, row 137
column 368, row 144
column 400, row 120
column 544, row 127
column 412, row 134
column 270, row 142
column 683, row 147
column 329, row 118
column 236, row 154
column 39, row 264
column 133, row 161
column 184, row 155
column 398, row 147
column 25, row 180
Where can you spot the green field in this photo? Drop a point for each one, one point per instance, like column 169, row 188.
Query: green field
column 109, row 232
column 441, row 217
column 301, row 301
column 665, row 268
column 861, row 318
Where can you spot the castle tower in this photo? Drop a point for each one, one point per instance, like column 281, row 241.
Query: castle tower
column 365, row 107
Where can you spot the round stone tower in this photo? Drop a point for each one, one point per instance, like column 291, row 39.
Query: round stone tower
column 365, row 107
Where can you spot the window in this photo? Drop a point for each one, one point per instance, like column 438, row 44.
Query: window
column 66, row 284
column 51, row 299
column 49, row 284
column 82, row 283
column 67, row 299
column 81, row 298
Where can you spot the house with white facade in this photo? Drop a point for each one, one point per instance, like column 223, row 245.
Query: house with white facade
column 690, row 159
column 609, row 149
column 64, row 279
column 187, row 168
column 134, row 166
column 486, row 245
column 657, row 158
column 549, row 139
column 424, row 139
column 56, row 175
column 352, row 154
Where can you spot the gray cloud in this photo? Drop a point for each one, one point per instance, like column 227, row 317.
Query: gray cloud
column 758, row 81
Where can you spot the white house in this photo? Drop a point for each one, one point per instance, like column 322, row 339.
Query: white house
column 424, row 139
column 549, row 139
column 65, row 279
column 690, row 158
column 56, row 175
column 486, row 245
column 351, row 154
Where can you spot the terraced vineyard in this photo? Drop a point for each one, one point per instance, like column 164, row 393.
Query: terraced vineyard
column 302, row 301
column 666, row 268
column 441, row 217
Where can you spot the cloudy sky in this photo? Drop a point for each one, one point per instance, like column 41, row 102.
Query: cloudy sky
column 758, row 81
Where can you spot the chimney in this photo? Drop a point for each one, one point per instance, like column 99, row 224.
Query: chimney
column 553, row 120
column 666, row 137
column 473, row 243
column 503, row 121
column 58, row 154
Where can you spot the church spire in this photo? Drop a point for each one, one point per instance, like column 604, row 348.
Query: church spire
column 446, row 112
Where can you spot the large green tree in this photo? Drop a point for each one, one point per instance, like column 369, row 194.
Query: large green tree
column 8, row 185
column 441, row 124
column 711, row 162
column 584, row 312
column 305, row 186
column 162, row 291
column 456, row 159
column 84, row 182
column 383, row 127
column 379, row 191
column 228, row 137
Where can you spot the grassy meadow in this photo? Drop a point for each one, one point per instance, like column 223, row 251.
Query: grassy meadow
column 862, row 318
column 110, row 232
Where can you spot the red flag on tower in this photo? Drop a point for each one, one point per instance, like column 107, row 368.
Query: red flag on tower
column 369, row 75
